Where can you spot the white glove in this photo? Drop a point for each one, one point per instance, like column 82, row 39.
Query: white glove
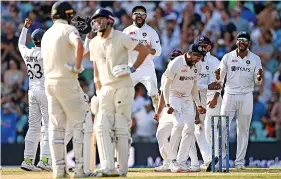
column 122, row 70
column 73, row 68
column 95, row 105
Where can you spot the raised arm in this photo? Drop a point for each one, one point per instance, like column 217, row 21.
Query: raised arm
column 22, row 39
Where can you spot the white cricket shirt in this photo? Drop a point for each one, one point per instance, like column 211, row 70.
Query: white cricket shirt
column 33, row 61
column 183, row 77
column 110, row 52
column 58, row 48
column 213, row 64
column 240, row 73
column 143, row 35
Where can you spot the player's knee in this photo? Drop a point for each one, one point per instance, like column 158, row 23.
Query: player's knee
column 122, row 124
column 57, row 136
column 188, row 129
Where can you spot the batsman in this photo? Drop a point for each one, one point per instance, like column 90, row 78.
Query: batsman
column 109, row 53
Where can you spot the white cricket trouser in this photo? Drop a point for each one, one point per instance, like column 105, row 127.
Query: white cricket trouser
column 182, row 135
column 67, row 110
column 200, row 135
column 242, row 105
column 146, row 75
column 163, row 133
column 112, row 126
column 208, row 130
column 38, row 112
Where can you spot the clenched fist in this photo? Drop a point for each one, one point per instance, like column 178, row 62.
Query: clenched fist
column 259, row 74
column 217, row 73
column 27, row 23
column 201, row 109
column 170, row 109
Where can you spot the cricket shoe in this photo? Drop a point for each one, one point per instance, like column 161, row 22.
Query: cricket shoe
column 44, row 166
column 208, row 165
column 194, row 168
column 105, row 173
column 179, row 168
column 162, row 168
column 29, row 167
column 240, row 167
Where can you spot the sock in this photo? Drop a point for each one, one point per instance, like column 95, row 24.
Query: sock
column 44, row 160
column 28, row 160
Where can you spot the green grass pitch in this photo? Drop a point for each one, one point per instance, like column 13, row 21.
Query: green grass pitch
column 148, row 173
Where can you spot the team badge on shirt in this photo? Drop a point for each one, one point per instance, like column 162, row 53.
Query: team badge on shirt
column 207, row 67
column 144, row 34
column 195, row 70
column 248, row 62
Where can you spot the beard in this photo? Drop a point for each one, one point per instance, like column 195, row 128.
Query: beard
column 139, row 25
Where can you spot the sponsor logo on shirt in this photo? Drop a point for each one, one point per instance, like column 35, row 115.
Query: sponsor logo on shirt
column 140, row 41
column 183, row 78
column 234, row 60
column 184, row 70
column 237, row 68
column 157, row 41
column 132, row 33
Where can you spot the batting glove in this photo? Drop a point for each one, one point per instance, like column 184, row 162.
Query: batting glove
column 122, row 70
column 73, row 68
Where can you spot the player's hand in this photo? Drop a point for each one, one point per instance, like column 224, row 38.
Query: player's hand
column 150, row 49
column 73, row 68
column 217, row 74
column 201, row 109
column 122, row 70
column 259, row 74
column 157, row 116
column 170, row 109
column 214, row 86
column 197, row 120
column 213, row 103
column 27, row 23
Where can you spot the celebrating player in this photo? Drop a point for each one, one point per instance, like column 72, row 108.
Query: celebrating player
column 62, row 51
column 209, row 100
column 165, row 125
column 38, row 105
column 180, row 86
column 243, row 70
column 109, row 53
column 141, row 32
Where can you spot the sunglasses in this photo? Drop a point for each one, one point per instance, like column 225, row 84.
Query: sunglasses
column 243, row 40
column 139, row 13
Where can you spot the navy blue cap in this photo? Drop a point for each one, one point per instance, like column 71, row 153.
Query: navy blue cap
column 203, row 39
column 197, row 48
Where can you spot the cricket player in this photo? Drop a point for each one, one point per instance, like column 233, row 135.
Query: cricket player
column 109, row 53
column 179, row 91
column 62, row 51
column 209, row 100
column 242, row 70
column 141, row 32
column 38, row 105
column 165, row 124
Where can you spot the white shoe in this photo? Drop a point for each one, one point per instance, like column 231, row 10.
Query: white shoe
column 208, row 165
column 178, row 168
column 194, row 168
column 105, row 173
column 43, row 166
column 240, row 167
column 162, row 168
column 29, row 167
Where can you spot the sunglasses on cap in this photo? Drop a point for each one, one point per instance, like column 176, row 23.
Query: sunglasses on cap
column 139, row 13
column 243, row 39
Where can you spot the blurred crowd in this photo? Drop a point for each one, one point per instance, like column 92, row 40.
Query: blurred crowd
column 178, row 24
